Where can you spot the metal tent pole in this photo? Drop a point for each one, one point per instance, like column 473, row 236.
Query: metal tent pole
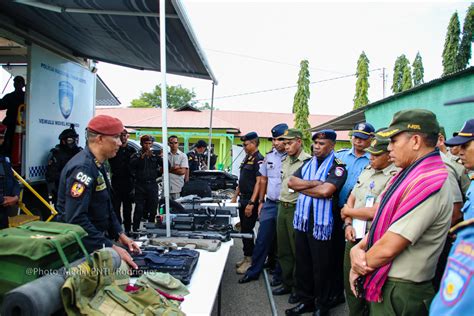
column 164, row 119
column 210, row 130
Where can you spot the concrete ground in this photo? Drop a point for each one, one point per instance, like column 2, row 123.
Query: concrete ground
column 251, row 298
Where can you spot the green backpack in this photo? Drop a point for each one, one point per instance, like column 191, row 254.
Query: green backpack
column 93, row 291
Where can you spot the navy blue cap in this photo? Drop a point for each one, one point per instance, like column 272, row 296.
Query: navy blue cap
column 200, row 143
column 279, row 129
column 464, row 135
column 363, row 130
column 325, row 134
column 249, row 136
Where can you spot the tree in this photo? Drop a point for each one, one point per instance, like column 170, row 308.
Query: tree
column 400, row 64
column 418, row 70
column 205, row 106
column 406, row 79
column 451, row 45
column 362, row 84
column 177, row 97
column 464, row 53
column 300, row 104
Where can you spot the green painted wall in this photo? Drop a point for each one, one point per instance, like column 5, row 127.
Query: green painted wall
column 221, row 141
column 432, row 98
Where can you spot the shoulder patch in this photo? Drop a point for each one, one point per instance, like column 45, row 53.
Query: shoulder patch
column 339, row 171
column 454, row 283
column 77, row 189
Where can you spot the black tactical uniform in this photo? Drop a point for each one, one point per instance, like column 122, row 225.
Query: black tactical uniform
column 84, row 199
column 122, row 184
column 315, row 259
column 58, row 158
column 8, row 187
column 196, row 161
column 145, row 169
column 247, row 180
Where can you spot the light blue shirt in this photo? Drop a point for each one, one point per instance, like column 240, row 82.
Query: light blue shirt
column 456, row 292
column 468, row 208
column 354, row 167
column 271, row 168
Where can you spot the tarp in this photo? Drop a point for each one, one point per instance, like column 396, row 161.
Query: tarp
column 122, row 32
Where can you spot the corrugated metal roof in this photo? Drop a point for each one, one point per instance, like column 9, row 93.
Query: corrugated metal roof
column 242, row 121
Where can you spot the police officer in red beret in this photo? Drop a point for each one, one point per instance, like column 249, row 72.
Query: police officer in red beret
column 9, row 187
column 85, row 193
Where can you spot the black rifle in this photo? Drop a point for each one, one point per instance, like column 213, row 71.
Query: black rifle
column 217, row 235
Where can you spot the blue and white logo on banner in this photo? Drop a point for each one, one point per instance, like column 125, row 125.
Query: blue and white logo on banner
column 66, row 98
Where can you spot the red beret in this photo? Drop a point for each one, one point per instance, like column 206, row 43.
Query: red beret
column 105, row 125
column 3, row 129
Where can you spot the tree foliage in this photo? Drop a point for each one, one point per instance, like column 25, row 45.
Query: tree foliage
column 407, row 82
column 451, row 45
column 177, row 97
column 418, row 70
column 300, row 104
column 398, row 70
column 361, row 97
column 464, row 53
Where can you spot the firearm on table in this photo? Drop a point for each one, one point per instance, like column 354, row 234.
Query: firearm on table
column 217, row 235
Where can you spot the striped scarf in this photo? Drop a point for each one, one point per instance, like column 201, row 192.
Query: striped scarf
column 322, row 208
column 408, row 189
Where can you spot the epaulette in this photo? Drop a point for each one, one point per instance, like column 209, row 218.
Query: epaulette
column 339, row 161
column 309, row 158
column 269, row 152
column 342, row 150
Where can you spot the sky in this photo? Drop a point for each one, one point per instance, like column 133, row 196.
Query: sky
column 258, row 45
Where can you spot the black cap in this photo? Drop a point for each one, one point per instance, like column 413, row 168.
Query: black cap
column 249, row 136
column 279, row 130
column 466, row 134
column 325, row 134
column 200, row 143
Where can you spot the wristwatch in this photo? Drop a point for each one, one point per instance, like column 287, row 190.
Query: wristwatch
column 345, row 225
column 251, row 202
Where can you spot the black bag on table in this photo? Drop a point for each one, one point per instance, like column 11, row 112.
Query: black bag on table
column 180, row 263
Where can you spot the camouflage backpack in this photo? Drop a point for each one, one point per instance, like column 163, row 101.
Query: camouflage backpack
column 93, row 291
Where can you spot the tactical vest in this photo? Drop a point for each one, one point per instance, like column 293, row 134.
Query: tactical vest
column 59, row 156
column 93, row 291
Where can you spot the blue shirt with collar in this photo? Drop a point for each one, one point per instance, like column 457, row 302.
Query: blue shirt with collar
column 468, row 208
column 354, row 166
column 271, row 168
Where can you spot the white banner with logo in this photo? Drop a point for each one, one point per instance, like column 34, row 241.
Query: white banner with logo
column 60, row 93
